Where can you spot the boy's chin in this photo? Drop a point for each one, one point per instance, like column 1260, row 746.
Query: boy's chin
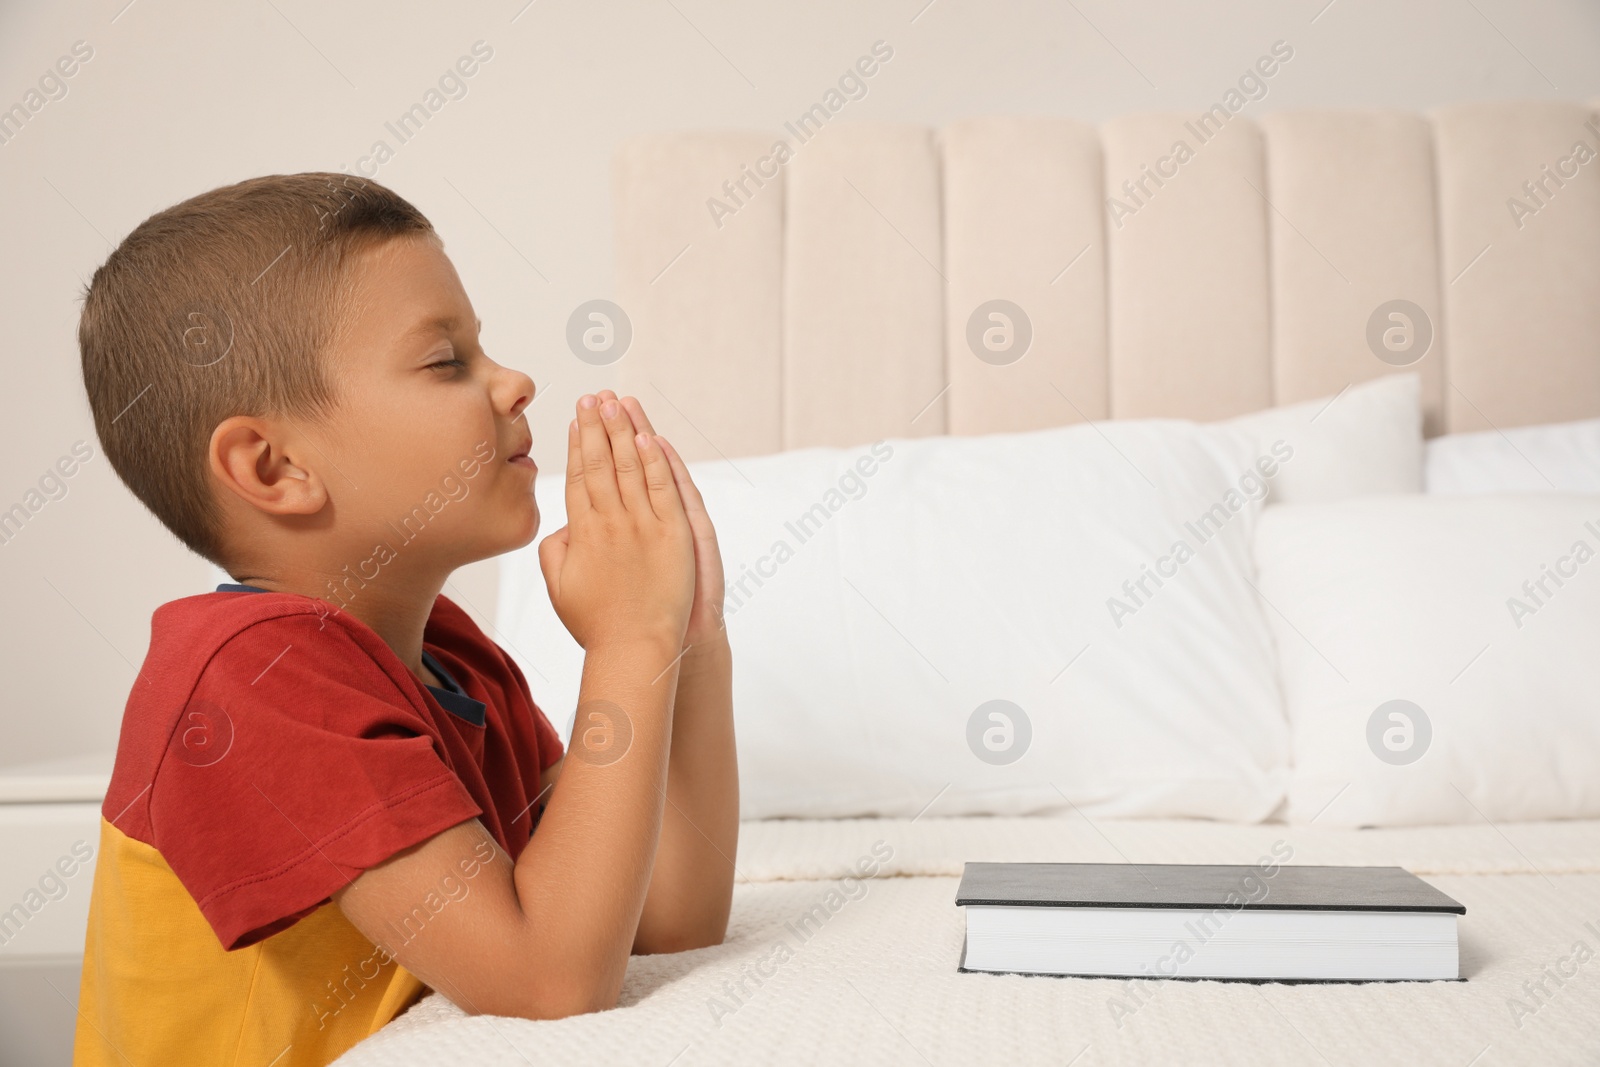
column 504, row 537
column 500, row 547
column 532, row 529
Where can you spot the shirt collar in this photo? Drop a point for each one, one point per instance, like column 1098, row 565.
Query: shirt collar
column 451, row 697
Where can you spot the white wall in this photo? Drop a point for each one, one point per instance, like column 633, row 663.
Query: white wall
column 181, row 96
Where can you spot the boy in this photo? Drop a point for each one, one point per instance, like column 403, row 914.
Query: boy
column 328, row 779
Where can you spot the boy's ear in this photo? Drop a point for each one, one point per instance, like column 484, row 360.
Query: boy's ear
column 248, row 456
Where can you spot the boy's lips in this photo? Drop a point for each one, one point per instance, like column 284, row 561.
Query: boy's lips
column 521, row 458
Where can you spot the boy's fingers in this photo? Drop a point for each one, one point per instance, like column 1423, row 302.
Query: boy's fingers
column 693, row 505
column 599, row 471
column 577, row 495
column 641, row 421
column 641, row 424
column 658, row 479
column 625, row 456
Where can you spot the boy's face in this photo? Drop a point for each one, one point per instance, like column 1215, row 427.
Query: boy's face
column 427, row 451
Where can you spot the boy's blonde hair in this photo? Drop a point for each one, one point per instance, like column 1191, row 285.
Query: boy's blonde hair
column 223, row 305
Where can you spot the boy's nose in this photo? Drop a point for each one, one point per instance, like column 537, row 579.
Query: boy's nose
column 520, row 388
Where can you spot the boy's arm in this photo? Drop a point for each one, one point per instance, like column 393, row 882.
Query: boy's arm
column 691, row 887
column 691, row 883
column 550, row 935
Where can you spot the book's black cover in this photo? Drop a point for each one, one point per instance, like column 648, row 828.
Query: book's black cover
column 1183, row 885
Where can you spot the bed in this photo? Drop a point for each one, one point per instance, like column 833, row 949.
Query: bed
column 876, row 982
column 826, row 302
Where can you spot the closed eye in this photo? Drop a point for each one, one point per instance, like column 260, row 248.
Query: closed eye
column 448, row 363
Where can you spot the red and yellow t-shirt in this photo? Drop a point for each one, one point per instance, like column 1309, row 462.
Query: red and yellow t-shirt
column 271, row 750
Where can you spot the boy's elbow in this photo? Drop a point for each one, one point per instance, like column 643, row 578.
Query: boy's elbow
column 573, row 1002
column 682, row 938
column 711, row 934
column 580, row 995
column 709, row 939
column 550, row 999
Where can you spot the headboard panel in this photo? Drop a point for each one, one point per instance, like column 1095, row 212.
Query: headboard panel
column 862, row 286
column 824, row 297
column 1023, row 221
column 1190, row 326
column 707, row 312
column 1523, row 323
column 1355, row 225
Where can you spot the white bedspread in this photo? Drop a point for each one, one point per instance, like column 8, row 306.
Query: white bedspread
column 875, row 980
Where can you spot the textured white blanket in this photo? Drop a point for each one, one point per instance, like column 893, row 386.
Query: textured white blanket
column 819, row 970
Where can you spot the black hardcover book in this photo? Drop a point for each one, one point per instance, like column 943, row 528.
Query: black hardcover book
column 1268, row 922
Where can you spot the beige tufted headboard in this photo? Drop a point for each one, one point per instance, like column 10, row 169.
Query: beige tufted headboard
column 825, row 299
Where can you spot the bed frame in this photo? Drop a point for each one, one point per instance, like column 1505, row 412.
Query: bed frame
column 822, row 294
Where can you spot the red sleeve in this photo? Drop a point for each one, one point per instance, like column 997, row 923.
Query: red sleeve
column 551, row 748
column 297, row 764
column 500, row 667
column 550, row 744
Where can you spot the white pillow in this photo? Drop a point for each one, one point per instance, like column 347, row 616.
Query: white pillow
column 1437, row 601
column 879, row 596
column 1561, row 458
column 1363, row 441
